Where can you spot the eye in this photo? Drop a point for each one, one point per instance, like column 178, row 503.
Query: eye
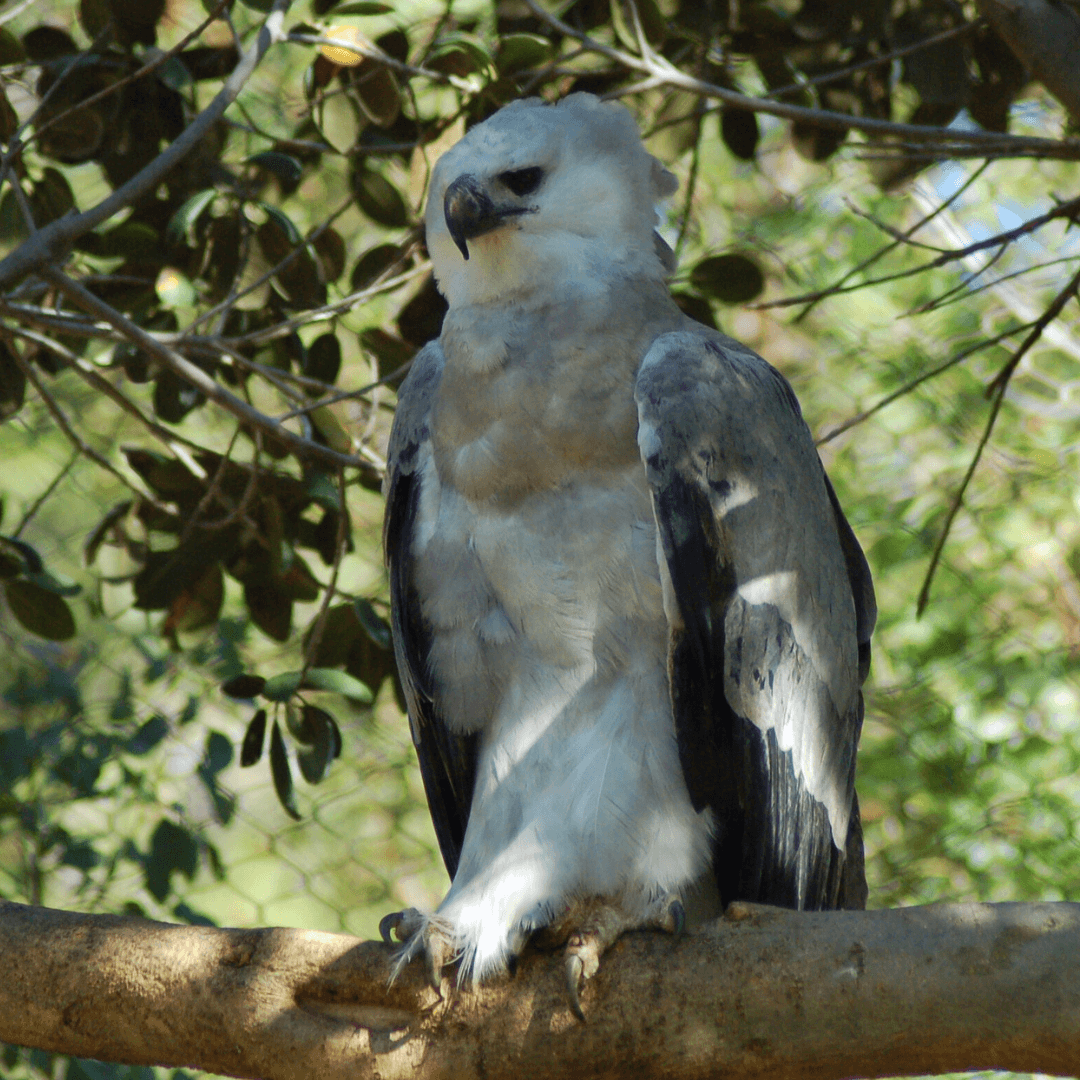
column 522, row 181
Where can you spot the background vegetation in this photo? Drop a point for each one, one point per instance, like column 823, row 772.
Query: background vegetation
column 196, row 391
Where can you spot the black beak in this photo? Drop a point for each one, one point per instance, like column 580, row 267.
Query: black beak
column 470, row 211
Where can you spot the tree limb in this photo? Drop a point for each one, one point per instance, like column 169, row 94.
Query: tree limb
column 1046, row 38
column 762, row 993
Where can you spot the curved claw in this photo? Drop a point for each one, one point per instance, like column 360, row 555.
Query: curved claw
column 677, row 914
column 388, row 924
column 574, row 971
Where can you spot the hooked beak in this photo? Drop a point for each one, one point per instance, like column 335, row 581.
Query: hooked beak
column 470, row 212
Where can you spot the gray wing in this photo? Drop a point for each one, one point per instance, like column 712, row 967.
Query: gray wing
column 771, row 609
column 447, row 761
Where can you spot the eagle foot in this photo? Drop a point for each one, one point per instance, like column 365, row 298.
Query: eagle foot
column 422, row 936
column 599, row 926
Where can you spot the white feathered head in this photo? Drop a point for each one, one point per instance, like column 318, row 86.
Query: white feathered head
column 540, row 193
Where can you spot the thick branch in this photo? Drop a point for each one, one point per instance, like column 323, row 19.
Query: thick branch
column 52, row 243
column 765, row 992
column 1046, row 37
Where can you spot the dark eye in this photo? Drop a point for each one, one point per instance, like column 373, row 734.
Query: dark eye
column 522, row 181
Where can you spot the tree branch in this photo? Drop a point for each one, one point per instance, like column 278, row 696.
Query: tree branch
column 951, row 141
column 762, row 993
column 52, row 243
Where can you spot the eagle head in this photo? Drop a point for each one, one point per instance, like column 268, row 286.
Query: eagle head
column 544, row 193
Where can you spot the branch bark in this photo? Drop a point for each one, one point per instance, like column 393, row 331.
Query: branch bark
column 762, row 993
column 1046, row 37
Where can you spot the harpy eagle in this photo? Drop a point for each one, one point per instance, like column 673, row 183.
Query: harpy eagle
column 630, row 618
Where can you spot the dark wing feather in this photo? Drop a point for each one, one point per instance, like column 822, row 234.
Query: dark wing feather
column 447, row 761
column 770, row 598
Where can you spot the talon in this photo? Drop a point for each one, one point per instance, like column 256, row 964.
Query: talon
column 677, row 914
column 574, row 970
column 388, row 924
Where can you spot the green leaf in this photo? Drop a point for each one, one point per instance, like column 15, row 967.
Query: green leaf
column 174, row 289
column 460, row 54
column 148, row 736
column 379, row 199
column 284, row 166
column 12, row 383
column 372, row 263
column 318, row 752
column 282, row 774
column 322, row 490
column 519, row 51
column 254, row 739
column 182, row 224
column 54, row 584
column 40, row 611
column 360, row 7
column 244, row 686
column 282, row 687
column 172, row 849
column 11, row 50
column 323, row 360
column 734, row 278
column 374, row 625
column 337, row 682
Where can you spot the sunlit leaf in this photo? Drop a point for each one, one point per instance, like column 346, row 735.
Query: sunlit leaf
column 337, row 682
column 282, row 687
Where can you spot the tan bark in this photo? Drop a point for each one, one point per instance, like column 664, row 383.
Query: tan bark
column 764, row 992
column 1045, row 36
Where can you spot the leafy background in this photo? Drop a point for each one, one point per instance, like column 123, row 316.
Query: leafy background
column 121, row 784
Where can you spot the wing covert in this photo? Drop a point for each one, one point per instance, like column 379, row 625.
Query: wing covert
column 447, row 760
column 769, row 600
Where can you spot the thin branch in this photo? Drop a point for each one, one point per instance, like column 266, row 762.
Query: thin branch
column 319, row 625
column 53, row 242
column 65, row 425
column 859, row 418
column 93, row 378
column 958, row 499
column 881, row 252
column 997, row 390
column 877, row 61
column 984, row 143
column 40, row 501
column 180, row 365
column 371, row 51
column 1068, row 209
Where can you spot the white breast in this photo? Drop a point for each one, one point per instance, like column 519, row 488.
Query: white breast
column 550, row 639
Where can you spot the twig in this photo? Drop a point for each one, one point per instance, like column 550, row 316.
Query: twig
column 180, row 365
column 1068, row 209
column 319, row 625
column 859, row 418
column 39, row 502
column 372, row 52
column 881, row 252
column 58, row 414
column 986, row 143
column 53, row 242
column 996, row 392
column 877, row 61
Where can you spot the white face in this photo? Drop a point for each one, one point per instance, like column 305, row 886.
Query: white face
column 572, row 192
